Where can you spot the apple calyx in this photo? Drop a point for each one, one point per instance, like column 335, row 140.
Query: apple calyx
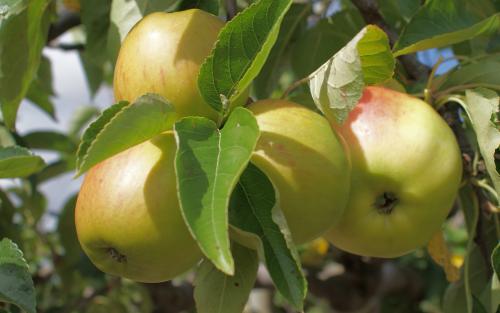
column 117, row 256
column 386, row 202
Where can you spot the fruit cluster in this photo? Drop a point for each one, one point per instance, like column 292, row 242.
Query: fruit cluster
column 380, row 184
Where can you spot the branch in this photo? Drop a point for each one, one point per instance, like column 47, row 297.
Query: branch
column 66, row 21
column 232, row 9
column 69, row 47
column 369, row 11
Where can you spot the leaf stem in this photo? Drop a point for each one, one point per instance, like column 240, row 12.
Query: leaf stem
column 428, row 88
column 482, row 183
column 294, row 86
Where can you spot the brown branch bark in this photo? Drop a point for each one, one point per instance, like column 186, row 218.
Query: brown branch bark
column 67, row 20
column 232, row 9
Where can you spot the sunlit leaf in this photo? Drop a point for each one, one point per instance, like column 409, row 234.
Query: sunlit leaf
column 23, row 32
column 240, row 52
column 122, row 126
column 337, row 85
column 208, row 164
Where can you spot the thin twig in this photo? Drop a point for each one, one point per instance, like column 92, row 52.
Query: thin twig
column 231, row 8
column 295, row 85
column 465, row 86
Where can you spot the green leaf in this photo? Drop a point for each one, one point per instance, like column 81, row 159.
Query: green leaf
column 125, row 14
column 397, row 13
column 82, row 118
column 16, row 285
column 495, row 260
column 49, row 140
column 7, row 212
column 320, row 42
column 440, row 23
column 6, row 138
column 210, row 6
column 41, row 89
column 16, row 161
column 268, row 77
column 216, row 292
column 483, row 72
column 253, row 209
column 337, row 85
column 56, row 168
column 67, row 232
column 96, row 20
column 122, row 126
column 480, row 105
column 23, row 32
column 239, row 54
column 208, row 164
column 475, row 276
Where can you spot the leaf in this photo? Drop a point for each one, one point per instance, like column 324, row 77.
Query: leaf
column 49, row 140
column 208, row 164
column 440, row 253
column 253, row 209
column 41, row 89
column 67, row 232
column 216, row 292
column 23, row 32
column 240, row 52
column 16, row 285
column 81, row 118
column 210, row 6
column 56, row 168
column 469, row 205
column 317, row 45
column 495, row 260
column 268, row 77
column 484, row 72
column 337, row 85
column 125, row 14
column 17, row 161
column 122, row 126
column 480, row 104
column 398, row 13
column 96, row 20
column 440, row 23
column 6, row 138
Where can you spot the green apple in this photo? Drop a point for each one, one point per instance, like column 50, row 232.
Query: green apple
column 128, row 218
column 306, row 162
column 162, row 54
column 406, row 171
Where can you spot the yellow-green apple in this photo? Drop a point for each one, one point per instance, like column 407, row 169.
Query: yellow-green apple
column 162, row 54
column 406, row 171
column 128, row 218
column 307, row 164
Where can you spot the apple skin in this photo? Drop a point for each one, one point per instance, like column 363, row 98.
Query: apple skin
column 128, row 218
column 401, row 147
column 162, row 54
column 306, row 162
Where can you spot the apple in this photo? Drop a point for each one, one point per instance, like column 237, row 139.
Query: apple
column 307, row 164
column 406, row 171
column 128, row 218
column 162, row 54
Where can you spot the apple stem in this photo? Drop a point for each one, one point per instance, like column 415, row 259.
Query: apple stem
column 386, row 202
